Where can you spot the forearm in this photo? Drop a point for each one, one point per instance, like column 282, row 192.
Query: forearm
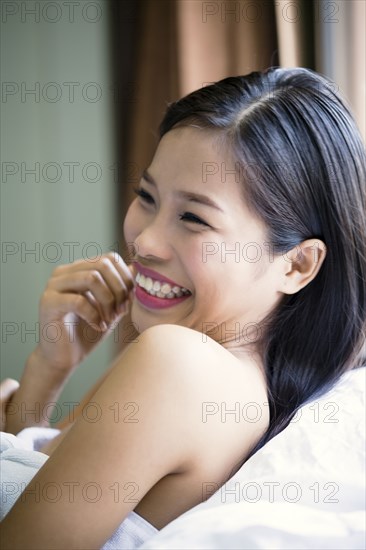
column 32, row 403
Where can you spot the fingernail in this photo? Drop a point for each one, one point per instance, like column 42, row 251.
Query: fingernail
column 104, row 326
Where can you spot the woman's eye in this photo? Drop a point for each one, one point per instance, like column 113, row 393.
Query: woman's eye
column 188, row 217
column 144, row 195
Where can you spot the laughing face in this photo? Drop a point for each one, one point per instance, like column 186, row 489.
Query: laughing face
column 201, row 256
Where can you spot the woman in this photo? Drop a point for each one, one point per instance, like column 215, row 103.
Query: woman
column 247, row 287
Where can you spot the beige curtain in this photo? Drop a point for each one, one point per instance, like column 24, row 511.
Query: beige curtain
column 329, row 37
column 219, row 39
column 341, row 51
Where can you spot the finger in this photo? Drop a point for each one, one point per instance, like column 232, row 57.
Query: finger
column 126, row 275
column 127, row 272
column 98, row 263
column 60, row 304
column 7, row 389
column 113, row 269
column 93, row 282
column 118, row 276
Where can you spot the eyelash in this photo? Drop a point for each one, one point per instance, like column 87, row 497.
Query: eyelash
column 187, row 216
column 145, row 196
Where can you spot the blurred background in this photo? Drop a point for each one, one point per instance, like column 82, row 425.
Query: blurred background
column 84, row 87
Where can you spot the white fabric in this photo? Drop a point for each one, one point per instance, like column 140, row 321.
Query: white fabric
column 20, row 461
column 305, row 489
column 133, row 531
column 317, row 462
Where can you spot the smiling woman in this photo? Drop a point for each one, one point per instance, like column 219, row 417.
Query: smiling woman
column 271, row 161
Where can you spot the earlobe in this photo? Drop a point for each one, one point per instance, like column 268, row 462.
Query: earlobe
column 303, row 263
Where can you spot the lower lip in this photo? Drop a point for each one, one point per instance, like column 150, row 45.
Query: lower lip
column 154, row 302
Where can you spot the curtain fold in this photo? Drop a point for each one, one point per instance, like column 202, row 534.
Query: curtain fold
column 341, row 50
column 220, row 39
column 295, row 31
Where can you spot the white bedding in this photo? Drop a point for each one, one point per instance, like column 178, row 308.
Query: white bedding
column 304, row 490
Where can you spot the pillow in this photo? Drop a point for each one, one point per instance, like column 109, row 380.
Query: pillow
column 304, row 489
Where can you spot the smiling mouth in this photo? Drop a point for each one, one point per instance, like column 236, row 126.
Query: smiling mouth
column 160, row 289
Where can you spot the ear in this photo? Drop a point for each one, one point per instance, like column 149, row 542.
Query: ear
column 302, row 264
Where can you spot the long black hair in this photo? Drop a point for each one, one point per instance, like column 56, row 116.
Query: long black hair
column 304, row 174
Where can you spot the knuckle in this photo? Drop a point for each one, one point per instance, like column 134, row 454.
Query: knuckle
column 105, row 261
column 114, row 257
column 93, row 276
column 58, row 270
column 81, row 304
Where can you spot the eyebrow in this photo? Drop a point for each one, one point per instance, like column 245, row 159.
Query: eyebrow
column 189, row 195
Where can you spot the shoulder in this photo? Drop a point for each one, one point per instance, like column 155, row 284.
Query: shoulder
column 167, row 357
column 176, row 335
column 197, row 392
column 179, row 344
column 175, row 354
column 185, row 351
column 222, row 400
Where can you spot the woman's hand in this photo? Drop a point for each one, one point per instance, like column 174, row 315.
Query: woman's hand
column 7, row 389
column 81, row 304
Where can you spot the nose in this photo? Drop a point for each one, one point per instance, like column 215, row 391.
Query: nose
column 153, row 241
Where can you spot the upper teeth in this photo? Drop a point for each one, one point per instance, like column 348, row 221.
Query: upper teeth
column 160, row 289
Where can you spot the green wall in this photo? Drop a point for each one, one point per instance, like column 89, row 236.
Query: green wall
column 60, row 52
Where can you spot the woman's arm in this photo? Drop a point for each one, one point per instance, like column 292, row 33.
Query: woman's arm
column 134, row 434
column 82, row 303
column 127, row 335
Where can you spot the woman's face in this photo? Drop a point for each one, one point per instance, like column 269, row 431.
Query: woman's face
column 217, row 251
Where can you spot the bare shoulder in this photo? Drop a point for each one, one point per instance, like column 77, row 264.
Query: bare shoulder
column 189, row 352
column 224, row 400
column 181, row 343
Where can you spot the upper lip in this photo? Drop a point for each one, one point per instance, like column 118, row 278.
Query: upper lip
column 155, row 275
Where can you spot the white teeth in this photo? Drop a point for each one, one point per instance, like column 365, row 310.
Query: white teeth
column 148, row 284
column 166, row 288
column 160, row 289
column 156, row 286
